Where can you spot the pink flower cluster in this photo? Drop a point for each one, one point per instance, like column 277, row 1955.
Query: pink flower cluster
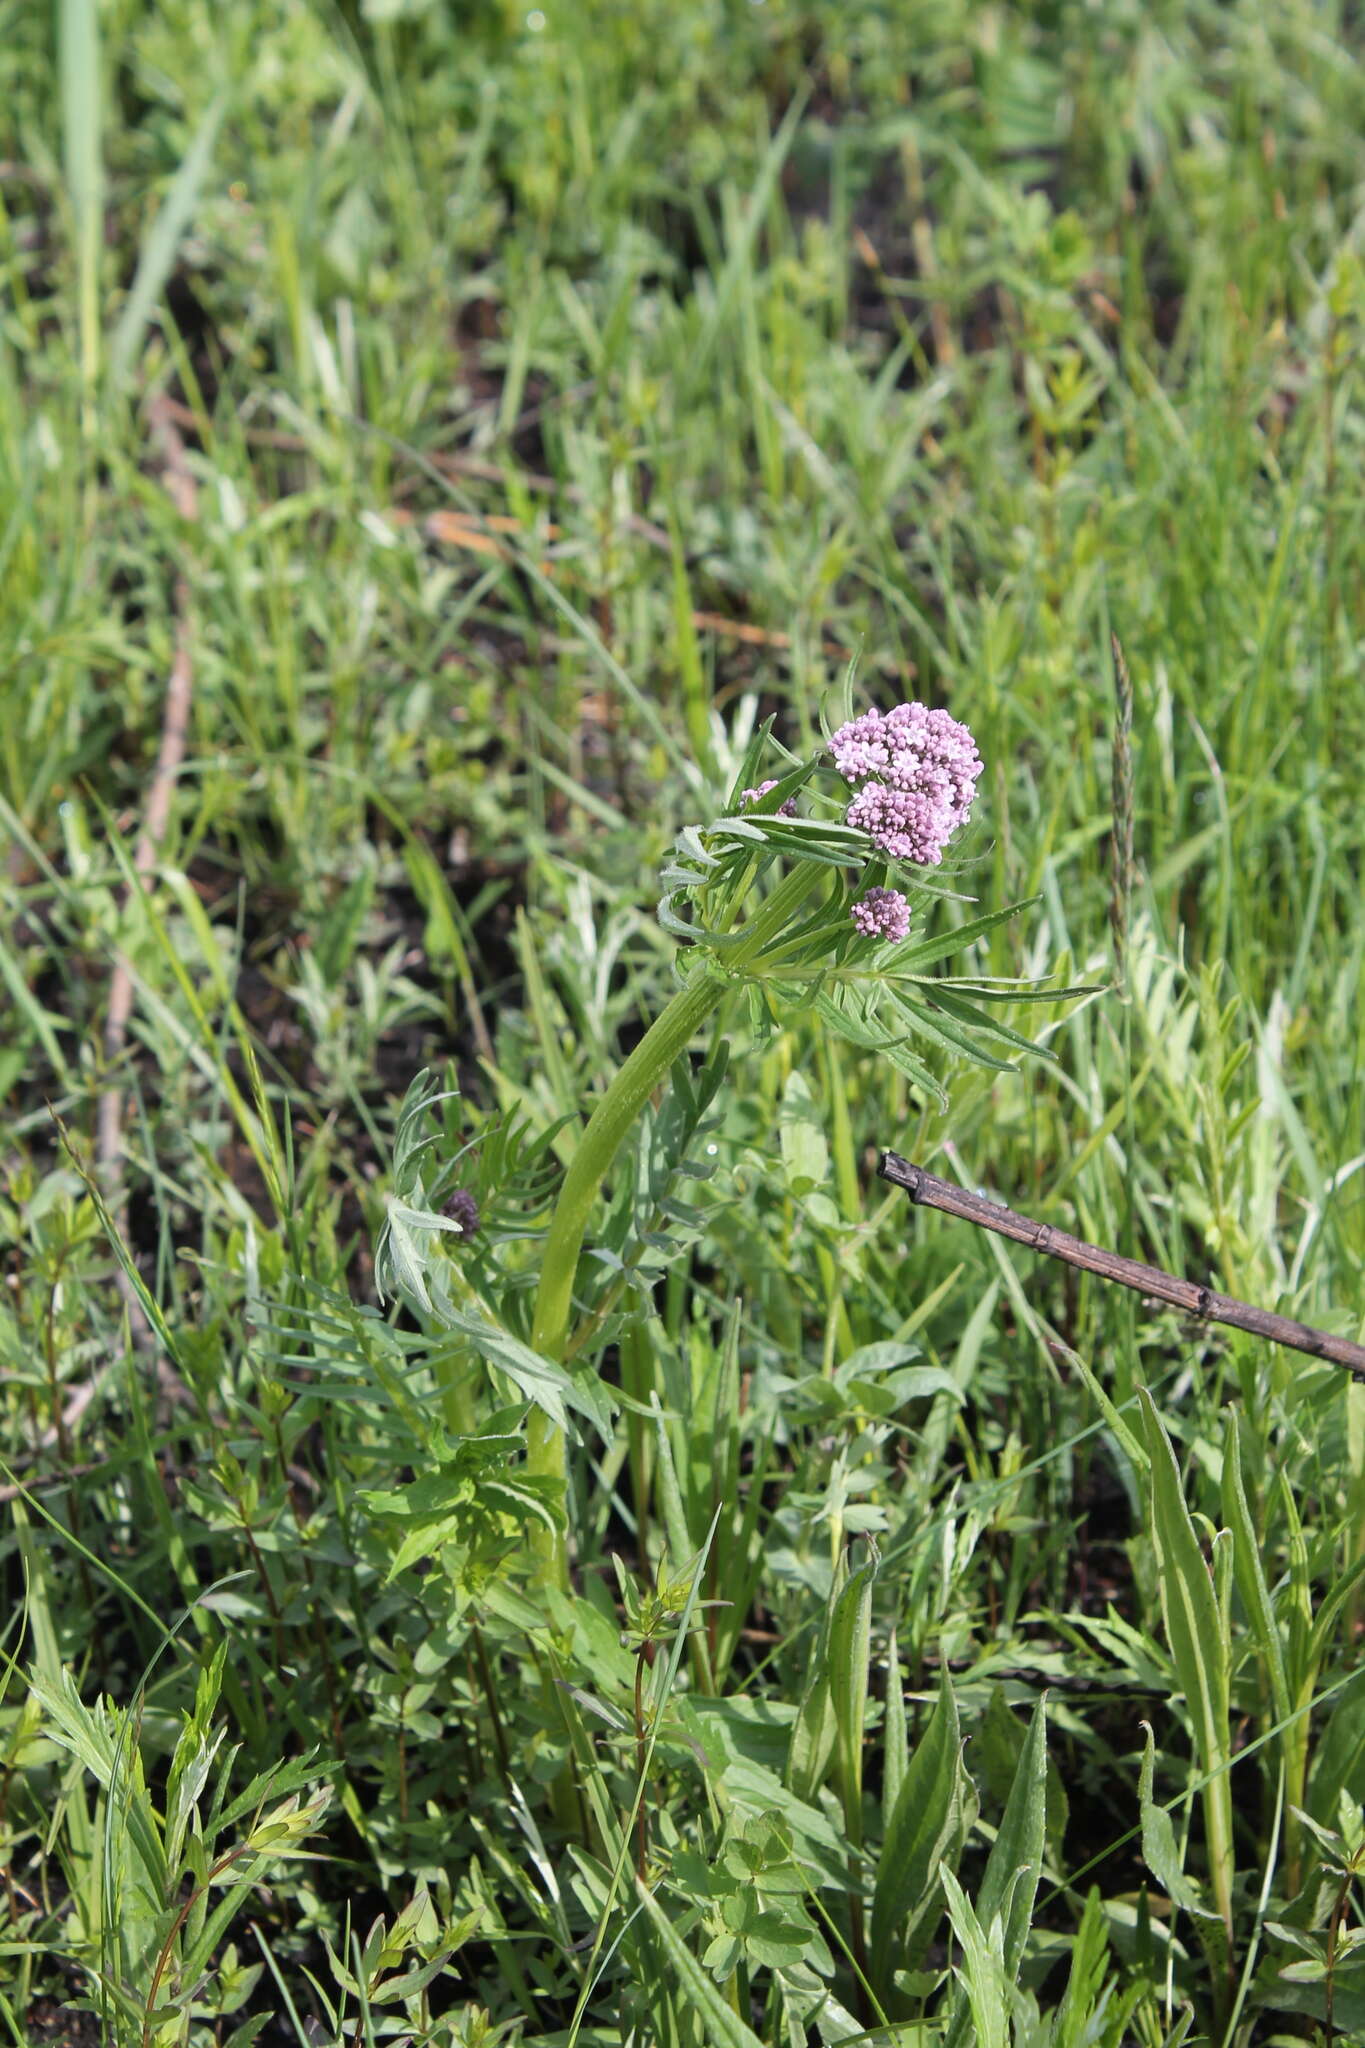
column 882, row 914
column 753, row 796
column 918, row 769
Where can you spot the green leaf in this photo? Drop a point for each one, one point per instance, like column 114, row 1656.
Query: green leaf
column 1250, row 1573
column 160, row 246
column 723, row 2025
column 805, row 1150
column 1015, row 1864
column 893, row 1732
column 548, row 1385
column 910, row 957
column 926, row 1021
column 1018, row 1847
column 1081, row 2000
column 946, row 998
column 813, row 1735
column 983, row 1982
column 996, row 1748
column 850, row 1643
column 1160, row 1850
column 859, row 1029
column 1196, row 1630
column 925, row 1831
column 82, row 108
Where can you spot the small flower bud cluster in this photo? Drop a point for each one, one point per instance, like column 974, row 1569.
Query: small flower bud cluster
column 918, row 769
column 882, row 914
column 753, row 796
column 463, row 1208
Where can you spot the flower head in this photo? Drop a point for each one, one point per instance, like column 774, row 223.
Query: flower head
column 753, row 796
column 462, row 1208
column 918, row 769
column 882, row 914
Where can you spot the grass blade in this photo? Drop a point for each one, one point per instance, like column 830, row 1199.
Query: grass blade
column 1197, row 1635
column 159, row 249
column 78, row 42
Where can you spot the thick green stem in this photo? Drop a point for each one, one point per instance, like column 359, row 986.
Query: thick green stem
column 668, row 1037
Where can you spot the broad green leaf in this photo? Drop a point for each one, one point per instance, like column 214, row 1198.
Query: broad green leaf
column 997, row 1745
column 1018, row 1847
column 805, row 1150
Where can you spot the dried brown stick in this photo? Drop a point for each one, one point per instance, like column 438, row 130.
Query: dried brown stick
column 1204, row 1302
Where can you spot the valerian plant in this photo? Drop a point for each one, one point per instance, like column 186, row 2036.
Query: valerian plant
column 803, row 894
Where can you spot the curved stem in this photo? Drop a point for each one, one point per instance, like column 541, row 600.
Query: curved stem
column 667, row 1037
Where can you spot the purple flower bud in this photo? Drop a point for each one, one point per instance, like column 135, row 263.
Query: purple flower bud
column 752, row 796
column 882, row 914
column 918, row 769
column 462, row 1208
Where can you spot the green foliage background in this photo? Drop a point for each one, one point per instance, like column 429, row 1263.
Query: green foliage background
column 564, row 392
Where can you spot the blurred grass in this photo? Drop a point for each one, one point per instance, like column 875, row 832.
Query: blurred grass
column 937, row 339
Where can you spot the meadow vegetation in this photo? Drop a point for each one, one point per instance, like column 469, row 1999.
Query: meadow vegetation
column 504, row 434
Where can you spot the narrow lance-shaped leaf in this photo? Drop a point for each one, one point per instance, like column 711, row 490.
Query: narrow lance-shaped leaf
column 1077, row 2023
column 811, row 1743
column 1196, row 1632
column 893, row 1732
column 850, row 1641
column 1249, row 1570
column 947, row 997
column 1161, row 1853
column 1010, row 1884
column 162, row 243
column 923, row 1832
column 983, row 1982
column 939, row 1030
column 915, row 954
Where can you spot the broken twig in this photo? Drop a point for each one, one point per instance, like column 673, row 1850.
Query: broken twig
column 1203, row 1302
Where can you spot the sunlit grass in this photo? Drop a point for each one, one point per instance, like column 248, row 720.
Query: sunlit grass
column 732, row 345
